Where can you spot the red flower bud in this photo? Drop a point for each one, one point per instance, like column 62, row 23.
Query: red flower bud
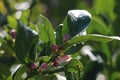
column 60, row 47
column 66, row 37
column 13, row 33
column 43, row 67
column 54, row 48
column 55, row 64
column 33, row 66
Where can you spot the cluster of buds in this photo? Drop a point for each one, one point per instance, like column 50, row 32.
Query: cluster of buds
column 61, row 59
column 56, row 48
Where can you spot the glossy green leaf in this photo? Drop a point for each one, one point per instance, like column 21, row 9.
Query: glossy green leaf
column 75, row 22
column 5, row 73
column 59, row 37
column 46, row 30
column 25, row 43
column 90, row 37
column 73, row 49
column 20, row 72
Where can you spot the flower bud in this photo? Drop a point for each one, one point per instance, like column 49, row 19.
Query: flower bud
column 60, row 47
column 54, row 48
column 13, row 33
column 33, row 66
column 66, row 37
column 55, row 64
column 62, row 59
column 43, row 67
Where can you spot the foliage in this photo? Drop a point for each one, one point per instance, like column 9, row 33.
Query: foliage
column 32, row 49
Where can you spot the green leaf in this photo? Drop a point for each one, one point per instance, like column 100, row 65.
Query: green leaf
column 43, row 58
column 45, row 77
column 20, row 72
column 115, row 75
column 117, row 61
column 72, row 76
column 74, row 66
column 90, row 37
column 12, row 22
column 24, row 17
column 5, row 72
column 65, row 29
column 59, row 37
column 25, row 44
column 46, row 30
column 100, row 7
column 2, row 40
column 73, row 69
column 75, row 22
column 98, row 26
column 91, row 69
column 73, row 49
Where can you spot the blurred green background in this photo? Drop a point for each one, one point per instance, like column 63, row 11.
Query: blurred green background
column 105, row 21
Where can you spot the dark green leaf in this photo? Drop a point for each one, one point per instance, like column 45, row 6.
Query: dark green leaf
column 25, row 43
column 91, row 69
column 20, row 72
column 59, row 37
column 45, row 77
column 5, row 72
column 3, row 19
column 90, row 37
column 117, row 61
column 75, row 22
column 73, row 49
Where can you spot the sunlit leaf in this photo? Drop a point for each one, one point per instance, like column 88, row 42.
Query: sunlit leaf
column 20, row 72
column 90, row 37
column 46, row 30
